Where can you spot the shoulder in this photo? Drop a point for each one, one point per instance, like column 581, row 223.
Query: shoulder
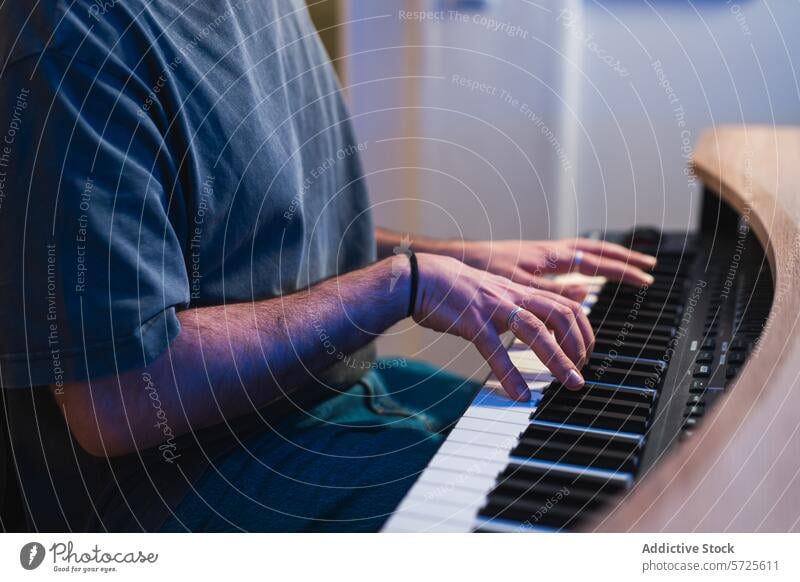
column 74, row 27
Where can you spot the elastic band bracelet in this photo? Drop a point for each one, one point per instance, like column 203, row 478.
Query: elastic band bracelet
column 412, row 258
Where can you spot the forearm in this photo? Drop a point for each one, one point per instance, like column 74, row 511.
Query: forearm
column 231, row 360
column 389, row 241
column 255, row 352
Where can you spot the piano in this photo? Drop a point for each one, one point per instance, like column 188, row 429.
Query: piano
column 690, row 417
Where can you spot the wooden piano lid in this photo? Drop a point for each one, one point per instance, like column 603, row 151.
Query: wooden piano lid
column 741, row 470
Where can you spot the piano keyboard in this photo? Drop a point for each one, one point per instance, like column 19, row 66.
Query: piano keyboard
column 557, row 461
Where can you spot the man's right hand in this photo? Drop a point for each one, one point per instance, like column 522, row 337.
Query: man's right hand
column 458, row 299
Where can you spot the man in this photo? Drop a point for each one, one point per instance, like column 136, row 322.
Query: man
column 190, row 295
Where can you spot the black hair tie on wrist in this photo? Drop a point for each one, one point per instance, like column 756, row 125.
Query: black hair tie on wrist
column 412, row 258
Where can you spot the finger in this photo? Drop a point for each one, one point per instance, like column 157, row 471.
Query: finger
column 616, row 252
column 495, row 354
column 615, row 270
column 574, row 291
column 583, row 322
column 580, row 316
column 561, row 319
column 535, row 334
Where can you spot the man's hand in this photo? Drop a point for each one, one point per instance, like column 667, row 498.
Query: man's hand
column 525, row 262
column 528, row 262
column 458, row 299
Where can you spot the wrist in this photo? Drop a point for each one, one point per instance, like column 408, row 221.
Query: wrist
column 399, row 279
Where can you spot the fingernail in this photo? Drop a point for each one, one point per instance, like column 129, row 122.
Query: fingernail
column 574, row 380
column 649, row 280
column 652, row 261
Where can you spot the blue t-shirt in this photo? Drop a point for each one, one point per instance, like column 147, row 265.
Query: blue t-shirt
column 154, row 156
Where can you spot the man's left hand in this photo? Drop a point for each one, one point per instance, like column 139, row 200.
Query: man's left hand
column 528, row 262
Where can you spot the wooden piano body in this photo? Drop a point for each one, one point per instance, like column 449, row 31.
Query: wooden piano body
column 741, row 470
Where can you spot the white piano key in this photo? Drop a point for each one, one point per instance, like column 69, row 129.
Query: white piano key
column 411, row 523
column 526, row 354
column 428, row 492
column 463, row 480
column 505, row 526
column 479, row 424
column 532, row 369
column 482, row 439
column 517, row 415
column 487, row 467
column 574, row 469
column 443, row 512
column 468, row 436
column 402, row 522
column 435, row 517
column 473, row 451
column 474, row 457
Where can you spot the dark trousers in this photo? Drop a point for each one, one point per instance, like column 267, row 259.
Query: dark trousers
column 342, row 467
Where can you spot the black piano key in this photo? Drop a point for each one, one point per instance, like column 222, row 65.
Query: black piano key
column 557, row 434
column 627, row 348
column 615, row 375
column 583, row 480
column 660, row 288
column 637, row 327
column 586, row 417
column 611, row 389
column 575, row 454
column 643, row 314
column 530, row 515
column 626, row 363
column 569, row 504
column 599, row 402
column 668, row 274
column 568, row 408
column 526, row 496
column 570, row 480
column 644, row 337
column 650, row 308
column 513, row 486
column 627, row 296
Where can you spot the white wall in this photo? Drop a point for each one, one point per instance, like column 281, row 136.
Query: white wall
column 473, row 149
column 726, row 62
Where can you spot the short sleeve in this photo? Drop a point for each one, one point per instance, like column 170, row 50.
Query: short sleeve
column 92, row 267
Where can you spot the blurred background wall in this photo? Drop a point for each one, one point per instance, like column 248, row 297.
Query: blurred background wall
column 545, row 118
